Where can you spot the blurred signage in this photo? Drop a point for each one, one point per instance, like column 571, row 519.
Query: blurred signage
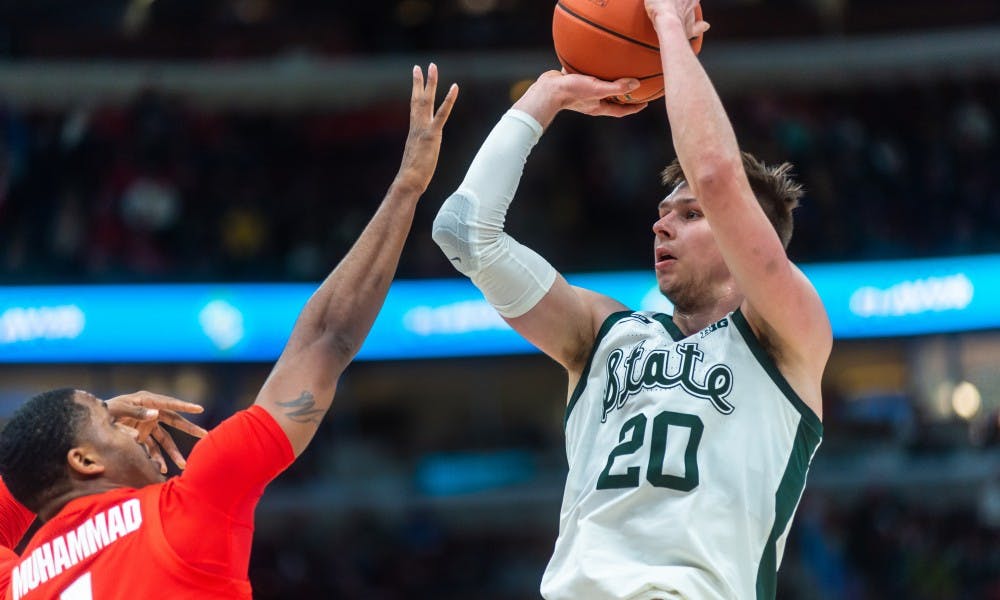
column 912, row 297
column 441, row 318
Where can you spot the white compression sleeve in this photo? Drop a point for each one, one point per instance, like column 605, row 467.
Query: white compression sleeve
column 469, row 226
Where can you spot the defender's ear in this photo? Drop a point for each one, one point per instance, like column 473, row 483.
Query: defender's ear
column 85, row 461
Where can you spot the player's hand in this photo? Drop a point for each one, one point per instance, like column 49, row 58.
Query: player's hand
column 590, row 95
column 687, row 11
column 423, row 142
column 145, row 411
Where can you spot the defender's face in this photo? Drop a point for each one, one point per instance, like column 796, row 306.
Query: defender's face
column 126, row 461
column 686, row 259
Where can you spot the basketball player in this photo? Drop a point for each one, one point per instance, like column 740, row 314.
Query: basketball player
column 688, row 435
column 142, row 412
column 113, row 529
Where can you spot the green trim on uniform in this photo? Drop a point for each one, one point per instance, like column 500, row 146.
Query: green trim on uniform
column 786, row 499
column 808, row 416
column 668, row 323
column 582, row 383
column 807, row 438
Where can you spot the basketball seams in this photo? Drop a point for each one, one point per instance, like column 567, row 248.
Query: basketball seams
column 609, row 41
column 595, row 25
column 572, row 69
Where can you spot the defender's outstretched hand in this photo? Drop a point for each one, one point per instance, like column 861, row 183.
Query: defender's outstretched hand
column 423, row 142
column 339, row 315
column 145, row 411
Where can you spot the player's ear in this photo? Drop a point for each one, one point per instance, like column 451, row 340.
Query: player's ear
column 84, row 461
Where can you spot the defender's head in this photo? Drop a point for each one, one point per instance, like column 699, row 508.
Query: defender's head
column 64, row 441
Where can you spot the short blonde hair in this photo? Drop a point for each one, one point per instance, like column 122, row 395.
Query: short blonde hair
column 776, row 191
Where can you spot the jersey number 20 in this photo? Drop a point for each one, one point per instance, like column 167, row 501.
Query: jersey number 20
column 632, row 438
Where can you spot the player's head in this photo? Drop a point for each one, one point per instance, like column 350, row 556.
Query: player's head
column 66, row 439
column 689, row 266
column 775, row 189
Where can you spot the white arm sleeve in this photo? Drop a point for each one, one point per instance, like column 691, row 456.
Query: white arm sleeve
column 469, row 226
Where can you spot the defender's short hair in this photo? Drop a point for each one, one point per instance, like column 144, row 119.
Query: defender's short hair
column 776, row 191
column 34, row 444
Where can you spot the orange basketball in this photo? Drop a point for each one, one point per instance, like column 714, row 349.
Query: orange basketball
column 610, row 39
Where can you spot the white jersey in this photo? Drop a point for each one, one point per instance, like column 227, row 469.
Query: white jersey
column 687, row 458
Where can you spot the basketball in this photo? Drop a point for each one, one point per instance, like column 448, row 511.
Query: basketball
column 610, row 39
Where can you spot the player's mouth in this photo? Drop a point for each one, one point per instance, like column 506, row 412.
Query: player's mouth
column 663, row 259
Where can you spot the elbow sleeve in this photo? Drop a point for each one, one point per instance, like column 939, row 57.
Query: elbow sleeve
column 469, row 226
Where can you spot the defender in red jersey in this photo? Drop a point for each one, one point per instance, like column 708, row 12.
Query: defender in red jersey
column 142, row 414
column 112, row 527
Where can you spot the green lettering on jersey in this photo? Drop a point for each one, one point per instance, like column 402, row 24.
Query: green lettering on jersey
column 629, row 375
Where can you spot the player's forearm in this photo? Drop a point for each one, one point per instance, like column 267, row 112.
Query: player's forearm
column 341, row 312
column 335, row 321
column 703, row 137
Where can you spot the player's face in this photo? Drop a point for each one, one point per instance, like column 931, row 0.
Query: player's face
column 126, row 461
column 689, row 267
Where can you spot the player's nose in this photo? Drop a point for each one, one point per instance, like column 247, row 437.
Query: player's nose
column 662, row 227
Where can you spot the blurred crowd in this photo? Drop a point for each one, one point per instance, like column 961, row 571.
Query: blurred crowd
column 232, row 29
column 159, row 190
column 877, row 548
column 851, row 540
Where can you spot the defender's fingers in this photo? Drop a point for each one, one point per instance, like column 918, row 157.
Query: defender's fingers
column 126, row 402
column 151, row 400
column 178, row 422
column 167, row 443
column 123, row 408
column 157, row 456
column 418, row 84
column 444, row 111
column 432, row 81
column 127, row 422
column 144, row 429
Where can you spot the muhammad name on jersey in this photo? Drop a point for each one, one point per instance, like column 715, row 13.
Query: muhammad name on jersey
column 64, row 551
column 630, row 371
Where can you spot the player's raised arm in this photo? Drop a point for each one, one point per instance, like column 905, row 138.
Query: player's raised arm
column 337, row 318
column 779, row 301
column 533, row 298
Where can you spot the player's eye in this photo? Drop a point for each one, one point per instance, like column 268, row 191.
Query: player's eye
column 692, row 214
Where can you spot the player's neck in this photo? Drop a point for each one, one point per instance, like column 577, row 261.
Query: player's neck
column 88, row 488
column 691, row 319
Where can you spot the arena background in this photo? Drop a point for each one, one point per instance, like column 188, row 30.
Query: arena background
column 247, row 141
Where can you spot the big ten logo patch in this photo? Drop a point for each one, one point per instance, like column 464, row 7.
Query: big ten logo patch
column 714, row 327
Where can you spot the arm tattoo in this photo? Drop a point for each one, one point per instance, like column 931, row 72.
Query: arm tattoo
column 302, row 409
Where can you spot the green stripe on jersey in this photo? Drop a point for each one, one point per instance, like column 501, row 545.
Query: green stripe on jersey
column 668, row 323
column 582, row 383
column 771, row 369
column 793, row 481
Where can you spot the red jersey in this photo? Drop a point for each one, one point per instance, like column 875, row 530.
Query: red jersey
column 188, row 537
column 14, row 522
